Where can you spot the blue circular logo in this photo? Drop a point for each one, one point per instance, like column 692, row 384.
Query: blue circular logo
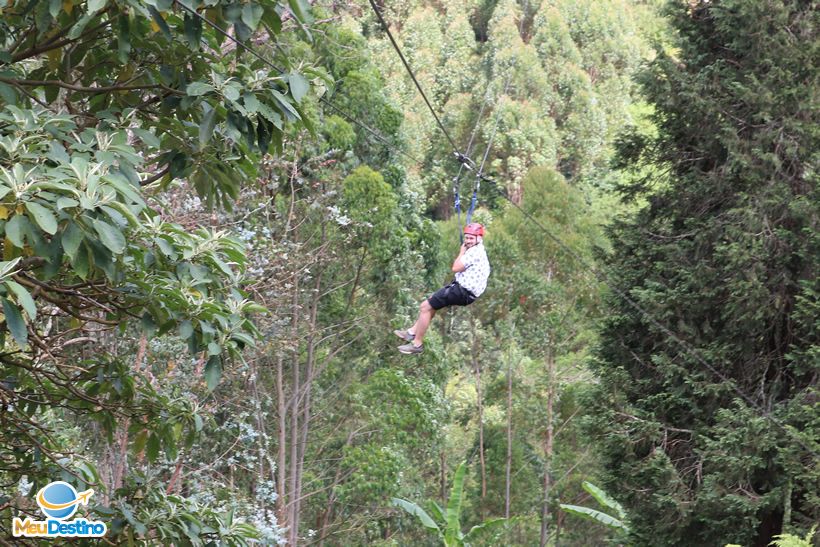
column 58, row 500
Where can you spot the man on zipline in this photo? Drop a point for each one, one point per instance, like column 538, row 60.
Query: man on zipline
column 472, row 270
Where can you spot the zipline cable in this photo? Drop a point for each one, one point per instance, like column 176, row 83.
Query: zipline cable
column 480, row 172
column 462, row 163
column 464, row 159
column 413, row 76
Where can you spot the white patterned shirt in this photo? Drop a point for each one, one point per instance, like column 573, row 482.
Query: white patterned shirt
column 477, row 270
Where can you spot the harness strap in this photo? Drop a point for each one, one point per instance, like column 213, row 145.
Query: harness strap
column 470, row 166
column 457, row 207
column 473, row 203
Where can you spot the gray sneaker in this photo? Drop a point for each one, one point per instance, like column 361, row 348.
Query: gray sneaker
column 410, row 349
column 405, row 335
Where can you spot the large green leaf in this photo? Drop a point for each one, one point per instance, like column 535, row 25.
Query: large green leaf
column 7, row 267
column 206, row 127
column 8, row 94
column 195, row 89
column 124, row 40
column 96, row 5
column 23, row 298
column 287, row 107
column 486, row 527
column 110, row 236
column 119, row 181
column 192, row 27
column 232, row 91
column 147, row 137
column 438, row 511
column 592, row 514
column 604, row 499
column 43, row 216
column 71, row 239
column 417, row 511
column 298, row 86
column 152, row 447
column 89, row 472
column 301, row 10
column 160, row 22
column 213, row 371
column 16, row 229
column 252, row 14
column 15, row 322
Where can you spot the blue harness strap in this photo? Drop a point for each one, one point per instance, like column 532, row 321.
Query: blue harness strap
column 465, row 162
column 474, row 200
column 458, row 208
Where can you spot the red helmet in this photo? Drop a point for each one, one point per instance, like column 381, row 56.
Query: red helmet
column 475, row 229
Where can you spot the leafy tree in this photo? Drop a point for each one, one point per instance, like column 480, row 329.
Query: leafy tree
column 163, row 68
column 85, row 255
column 103, row 106
column 725, row 256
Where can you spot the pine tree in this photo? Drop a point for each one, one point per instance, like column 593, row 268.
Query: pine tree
column 725, row 255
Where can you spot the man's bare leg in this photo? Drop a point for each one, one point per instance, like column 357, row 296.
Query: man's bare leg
column 426, row 313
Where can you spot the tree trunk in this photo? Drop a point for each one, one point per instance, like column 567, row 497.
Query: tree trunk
column 309, row 368
column 548, row 448
column 327, row 516
column 116, row 456
column 352, row 297
column 293, row 464
column 508, row 475
column 480, row 400
column 281, row 512
column 263, row 444
column 442, row 482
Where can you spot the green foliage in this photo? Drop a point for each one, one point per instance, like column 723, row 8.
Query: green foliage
column 83, row 220
column 339, row 133
column 449, row 527
column 104, row 108
column 146, row 514
column 616, row 523
column 791, row 540
column 721, row 255
column 377, row 474
column 408, row 410
column 524, row 458
column 103, row 284
column 368, row 198
column 124, row 59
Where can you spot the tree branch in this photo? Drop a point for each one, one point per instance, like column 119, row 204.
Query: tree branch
column 33, row 52
column 84, row 89
column 156, row 177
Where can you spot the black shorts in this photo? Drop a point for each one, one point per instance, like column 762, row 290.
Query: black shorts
column 451, row 295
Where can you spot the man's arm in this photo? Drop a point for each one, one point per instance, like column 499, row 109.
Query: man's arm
column 458, row 263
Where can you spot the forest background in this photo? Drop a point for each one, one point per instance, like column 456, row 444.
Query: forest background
column 215, row 213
